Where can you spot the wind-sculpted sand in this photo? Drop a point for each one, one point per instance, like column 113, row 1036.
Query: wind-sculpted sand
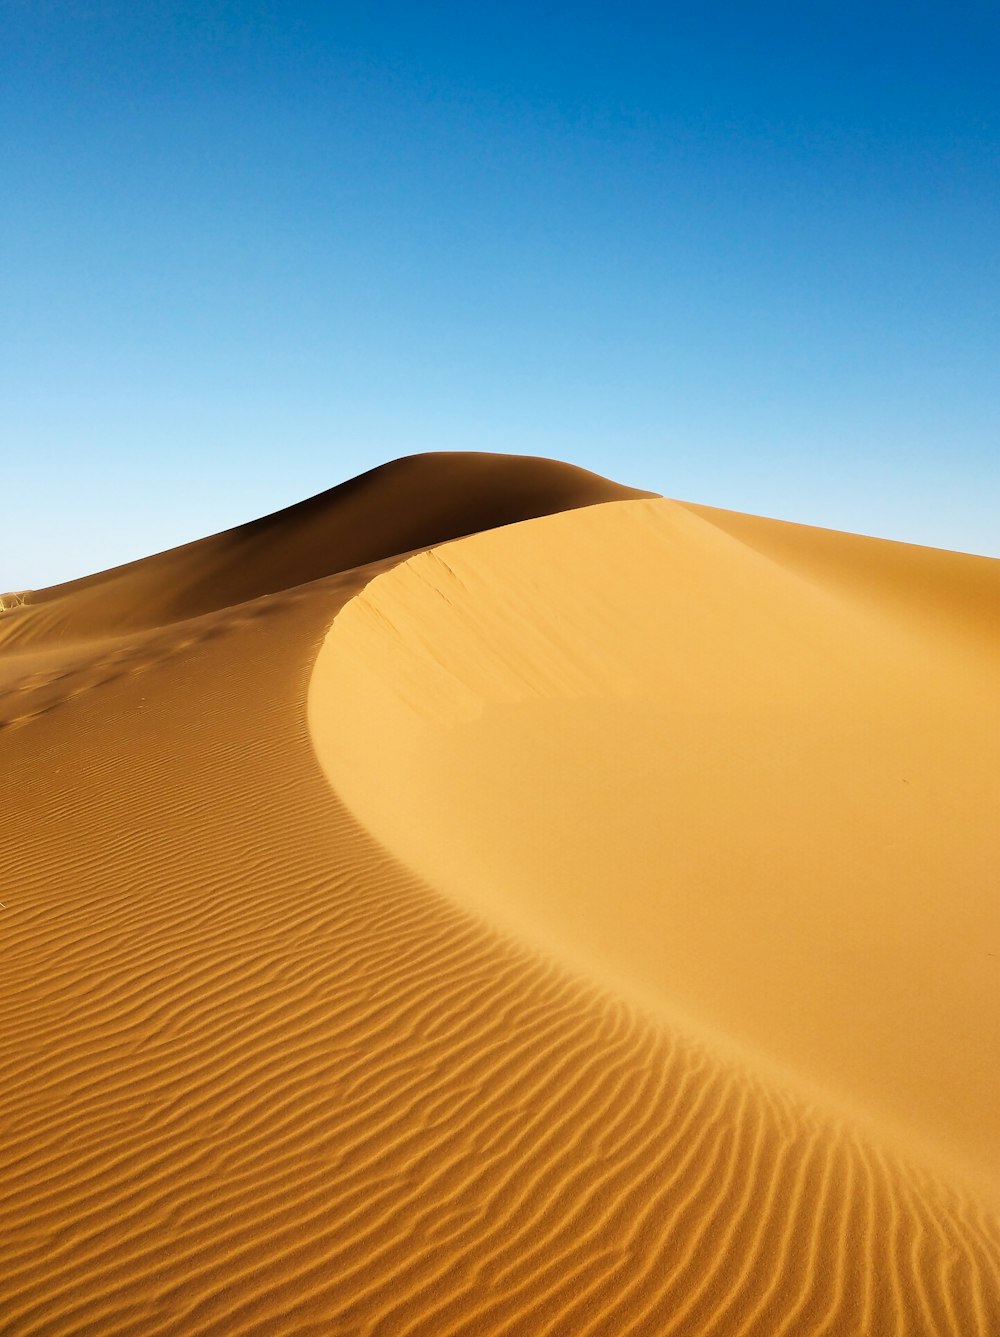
column 711, row 773
column 262, row 1076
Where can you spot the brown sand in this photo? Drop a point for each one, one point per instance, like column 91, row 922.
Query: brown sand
column 632, row 976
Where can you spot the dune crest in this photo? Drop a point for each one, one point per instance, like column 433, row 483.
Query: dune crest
column 397, row 508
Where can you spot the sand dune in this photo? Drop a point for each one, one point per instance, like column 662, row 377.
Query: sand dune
column 411, row 1048
column 397, row 508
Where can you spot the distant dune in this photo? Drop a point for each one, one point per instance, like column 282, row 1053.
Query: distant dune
column 487, row 899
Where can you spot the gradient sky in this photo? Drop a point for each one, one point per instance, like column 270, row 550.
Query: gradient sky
column 743, row 254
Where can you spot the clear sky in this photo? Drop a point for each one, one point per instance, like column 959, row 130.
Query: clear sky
column 745, row 254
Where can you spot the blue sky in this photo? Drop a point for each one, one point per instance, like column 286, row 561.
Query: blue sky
column 741, row 254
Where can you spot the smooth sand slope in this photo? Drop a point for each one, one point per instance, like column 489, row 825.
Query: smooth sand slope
column 758, row 783
column 279, row 1063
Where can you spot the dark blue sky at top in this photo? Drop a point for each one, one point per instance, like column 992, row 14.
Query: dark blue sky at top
column 741, row 254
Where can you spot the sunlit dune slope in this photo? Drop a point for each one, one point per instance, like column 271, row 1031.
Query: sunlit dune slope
column 746, row 771
column 261, row 1078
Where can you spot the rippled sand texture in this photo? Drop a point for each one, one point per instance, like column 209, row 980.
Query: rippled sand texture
column 260, row 1077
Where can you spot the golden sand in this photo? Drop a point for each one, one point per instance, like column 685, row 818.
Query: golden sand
column 592, row 931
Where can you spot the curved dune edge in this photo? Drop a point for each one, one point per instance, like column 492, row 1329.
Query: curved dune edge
column 259, row 1079
column 756, row 799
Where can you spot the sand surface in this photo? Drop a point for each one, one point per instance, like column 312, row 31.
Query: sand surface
column 593, row 930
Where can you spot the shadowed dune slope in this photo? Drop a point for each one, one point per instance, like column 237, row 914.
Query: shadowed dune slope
column 751, row 784
column 408, row 504
column 260, row 1079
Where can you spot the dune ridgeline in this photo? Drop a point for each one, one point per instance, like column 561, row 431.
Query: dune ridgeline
column 487, row 899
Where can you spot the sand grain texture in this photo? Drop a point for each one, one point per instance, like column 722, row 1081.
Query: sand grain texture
column 268, row 1071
